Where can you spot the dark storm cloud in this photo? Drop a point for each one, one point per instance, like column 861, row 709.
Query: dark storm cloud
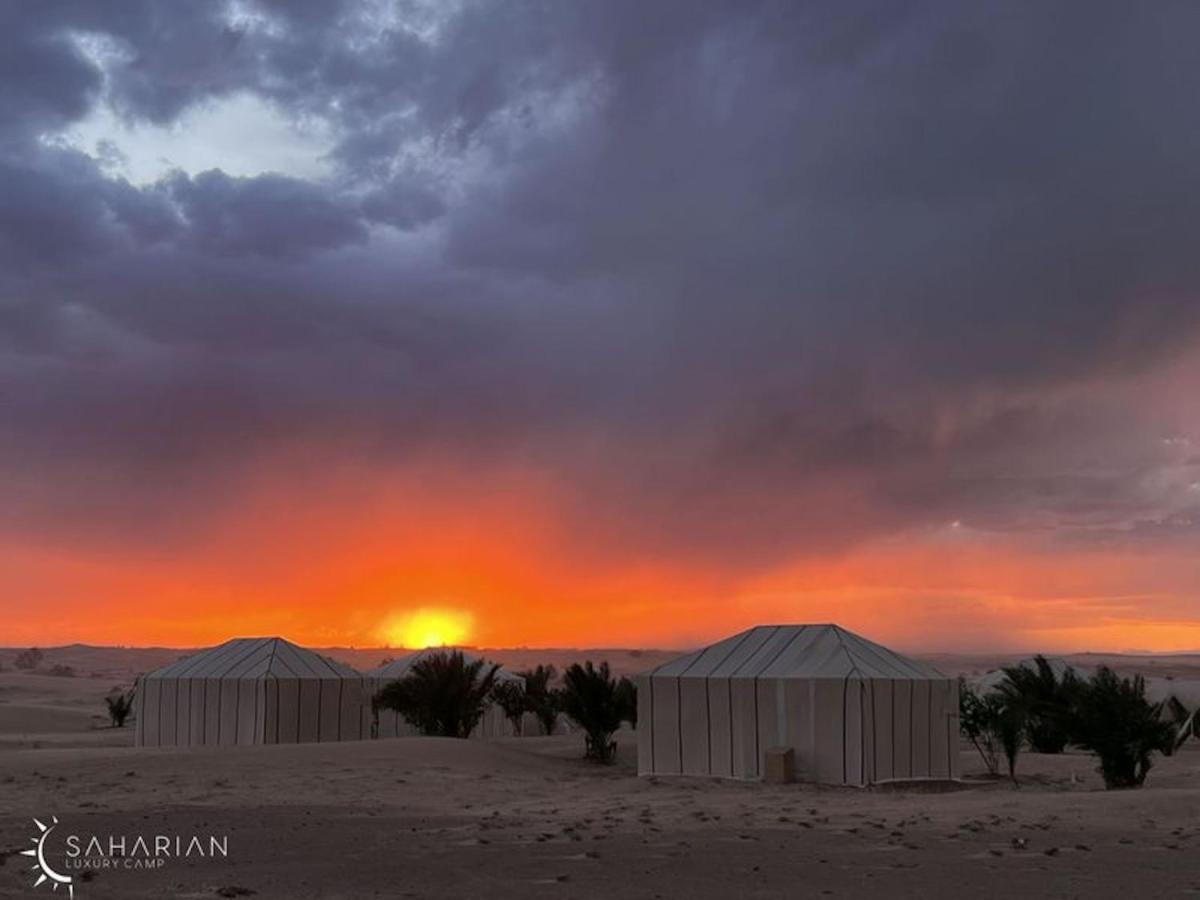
column 269, row 215
column 727, row 263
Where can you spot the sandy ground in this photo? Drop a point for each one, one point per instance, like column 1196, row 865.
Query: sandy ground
column 423, row 817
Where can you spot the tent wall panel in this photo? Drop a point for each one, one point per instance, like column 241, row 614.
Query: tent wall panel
column 829, row 721
column 352, row 720
column 744, row 716
column 852, row 753
column 920, row 732
column 645, row 693
column 183, row 711
column 196, row 711
column 666, row 726
column 389, row 724
column 168, row 691
column 884, row 727
column 798, row 733
column 401, row 727
column 212, row 710
column 288, row 730
column 766, row 702
column 902, row 723
column 493, row 724
column 694, row 727
column 720, row 741
column 939, row 718
column 952, row 727
column 246, row 711
column 151, row 693
column 227, row 718
column 139, row 713
column 868, row 726
column 309, row 711
column 330, row 725
column 271, row 710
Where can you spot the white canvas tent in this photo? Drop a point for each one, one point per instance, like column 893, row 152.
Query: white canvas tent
column 494, row 723
column 252, row 691
column 853, row 712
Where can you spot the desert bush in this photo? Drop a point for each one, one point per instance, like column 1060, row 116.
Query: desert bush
column 30, row 659
column 976, row 720
column 589, row 697
column 1115, row 721
column 442, row 694
column 542, row 698
column 510, row 697
column 627, row 700
column 1044, row 701
column 119, row 705
column 61, row 671
column 993, row 725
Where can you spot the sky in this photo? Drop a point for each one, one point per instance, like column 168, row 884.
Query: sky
column 601, row 323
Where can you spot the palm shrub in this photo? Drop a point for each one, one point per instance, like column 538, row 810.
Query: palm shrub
column 994, row 724
column 1043, row 700
column 627, row 701
column 442, row 695
column 510, row 697
column 977, row 719
column 1010, row 727
column 589, row 697
column 1115, row 721
column 542, row 699
column 120, row 705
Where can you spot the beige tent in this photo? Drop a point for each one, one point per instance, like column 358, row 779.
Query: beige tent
column 494, row 723
column 252, row 691
column 853, row 712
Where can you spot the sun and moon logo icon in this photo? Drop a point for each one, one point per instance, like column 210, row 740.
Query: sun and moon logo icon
column 45, row 871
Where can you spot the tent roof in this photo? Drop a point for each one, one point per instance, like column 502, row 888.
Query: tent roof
column 796, row 651
column 266, row 657
column 398, row 668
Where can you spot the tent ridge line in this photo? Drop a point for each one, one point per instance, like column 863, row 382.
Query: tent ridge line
column 886, row 665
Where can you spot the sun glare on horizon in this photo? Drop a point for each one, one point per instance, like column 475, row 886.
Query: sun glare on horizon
column 428, row 627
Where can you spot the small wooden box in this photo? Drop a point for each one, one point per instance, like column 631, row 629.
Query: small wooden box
column 779, row 765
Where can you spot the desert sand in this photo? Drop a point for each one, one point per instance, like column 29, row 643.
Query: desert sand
column 527, row 817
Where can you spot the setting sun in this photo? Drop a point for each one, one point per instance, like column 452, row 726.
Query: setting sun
column 422, row 628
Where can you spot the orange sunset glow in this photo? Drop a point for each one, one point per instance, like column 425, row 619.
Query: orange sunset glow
column 423, row 561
